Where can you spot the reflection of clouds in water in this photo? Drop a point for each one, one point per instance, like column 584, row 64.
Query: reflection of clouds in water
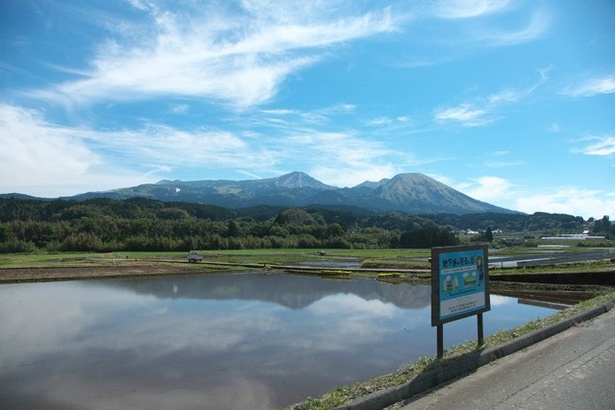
column 124, row 350
column 227, row 392
column 500, row 300
column 340, row 318
column 176, row 331
column 351, row 305
column 95, row 345
column 110, row 349
column 49, row 316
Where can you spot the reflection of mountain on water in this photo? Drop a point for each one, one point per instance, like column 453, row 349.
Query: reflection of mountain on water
column 293, row 291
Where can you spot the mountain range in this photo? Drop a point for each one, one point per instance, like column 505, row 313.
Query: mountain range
column 412, row 193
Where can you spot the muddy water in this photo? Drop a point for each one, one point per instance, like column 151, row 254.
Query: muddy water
column 222, row 342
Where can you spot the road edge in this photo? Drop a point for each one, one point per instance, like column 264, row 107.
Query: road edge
column 432, row 378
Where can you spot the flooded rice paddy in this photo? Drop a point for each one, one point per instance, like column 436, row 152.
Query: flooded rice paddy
column 217, row 341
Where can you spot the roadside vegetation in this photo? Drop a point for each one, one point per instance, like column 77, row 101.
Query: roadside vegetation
column 347, row 393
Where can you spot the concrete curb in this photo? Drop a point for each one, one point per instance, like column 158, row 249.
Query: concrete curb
column 430, row 379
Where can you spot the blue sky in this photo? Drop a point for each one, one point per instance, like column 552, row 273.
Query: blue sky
column 510, row 102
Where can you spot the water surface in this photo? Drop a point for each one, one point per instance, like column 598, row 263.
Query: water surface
column 216, row 341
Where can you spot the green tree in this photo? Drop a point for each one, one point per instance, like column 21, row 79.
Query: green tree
column 489, row 235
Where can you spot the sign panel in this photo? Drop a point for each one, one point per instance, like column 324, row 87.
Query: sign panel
column 459, row 283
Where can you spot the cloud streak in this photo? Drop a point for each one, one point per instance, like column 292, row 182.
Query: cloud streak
column 537, row 26
column 239, row 60
column 71, row 155
column 481, row 111
column 568, row 200
column 463, row 9
column 466, row 114
column 35, row 153
column 603, row 146
column 593, row 86
column 488, row 188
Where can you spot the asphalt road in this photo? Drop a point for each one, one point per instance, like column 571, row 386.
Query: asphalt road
column 574, row 369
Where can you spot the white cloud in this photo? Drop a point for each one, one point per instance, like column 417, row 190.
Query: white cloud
column 569, row 200
column 341, row 176
column 461, row 9
column 45, row 160
column 379, row 121
column 593, row 86
column 566, row 200
column 507, row 96
column 42, row 159
column 504, row 163
column 36, row 154
column 488, row 188
column 180, row 108
column 554, row 127
column 239, row 59
column 340, row 159
column 467, row 114
column 535, row 28
column 481, row 111
column 604, row 146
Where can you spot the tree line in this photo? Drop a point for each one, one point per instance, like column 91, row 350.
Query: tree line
column 140, row 224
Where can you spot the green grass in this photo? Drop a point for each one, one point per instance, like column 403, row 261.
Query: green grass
column 385, row 258
column 38, row 260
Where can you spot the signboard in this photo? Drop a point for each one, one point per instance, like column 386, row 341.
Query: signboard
column 459, row 283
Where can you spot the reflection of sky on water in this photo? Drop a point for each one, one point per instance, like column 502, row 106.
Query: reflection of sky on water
column 205, row 342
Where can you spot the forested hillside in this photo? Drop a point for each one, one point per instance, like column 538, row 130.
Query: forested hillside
column 150, row 225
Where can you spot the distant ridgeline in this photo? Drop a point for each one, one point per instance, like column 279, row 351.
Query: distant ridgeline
column 412, row 193
column 140, row 224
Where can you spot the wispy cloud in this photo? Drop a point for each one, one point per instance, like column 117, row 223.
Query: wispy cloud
column 298, row 118
column 537, row 26
column 554, row 127
column 75, row 158
column 466, row 114
column 239, row 58
column 461, row 9
column 488, row 188
column 507, row 96
column 41, row 149
column 341, row 159
column 568, row 200
column 502, row 163
column 592, row 86
column 42, row 157
column 498, row 160
column 601, row 146
column 482, row 110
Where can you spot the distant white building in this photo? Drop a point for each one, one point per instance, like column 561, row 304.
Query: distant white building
column 577, row 237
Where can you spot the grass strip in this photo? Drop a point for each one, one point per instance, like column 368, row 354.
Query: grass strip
column 347, row 393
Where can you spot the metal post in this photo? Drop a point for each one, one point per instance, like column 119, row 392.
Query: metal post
column 479, row 323
column 440, row 341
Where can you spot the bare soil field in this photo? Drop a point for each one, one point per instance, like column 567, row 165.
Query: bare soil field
column 80, row 272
